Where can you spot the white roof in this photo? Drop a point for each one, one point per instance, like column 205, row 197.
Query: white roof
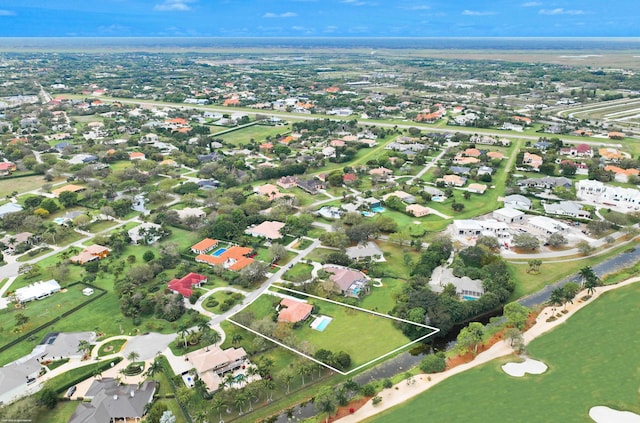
column 37, row 289
column 467, row 225
column 508, row 212
column 493, row 224
column 547, row 223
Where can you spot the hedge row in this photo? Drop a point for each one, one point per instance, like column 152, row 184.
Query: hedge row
column 89, row 371
column 32, row 332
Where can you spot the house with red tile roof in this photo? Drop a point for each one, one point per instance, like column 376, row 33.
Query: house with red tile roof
column 91, row 253
column 522, row 119
column 184, row 286
column 472, row 152
column 204, row 246
column 235, row 258
column 495, row 155
column 6, row 168
column 287, row 182
column 70, row 187
column 616, row 135
column 137, row 155
column 532, row 160
column 293, row 311
column 348, row 178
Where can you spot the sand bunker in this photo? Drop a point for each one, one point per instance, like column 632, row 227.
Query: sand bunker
column 603, row 414
column 533, row 367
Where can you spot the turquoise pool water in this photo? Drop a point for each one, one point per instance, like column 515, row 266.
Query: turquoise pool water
column 219, row 252
column 377, row 209
column 321, row 323
column 468, row 298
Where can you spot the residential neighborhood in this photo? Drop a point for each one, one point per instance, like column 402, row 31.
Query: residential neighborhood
column 202, row 236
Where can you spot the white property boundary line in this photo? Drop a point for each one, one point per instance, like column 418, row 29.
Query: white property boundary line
column 386, row 316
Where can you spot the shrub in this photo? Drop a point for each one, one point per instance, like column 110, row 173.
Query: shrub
column 368, row 390
column 376, row 400
column 387, row 383
column 433, row 363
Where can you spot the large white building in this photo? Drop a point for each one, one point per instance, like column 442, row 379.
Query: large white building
column 37, row 291
column 607, row 195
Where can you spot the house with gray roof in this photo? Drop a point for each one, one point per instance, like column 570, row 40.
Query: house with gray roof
column 517, row 201
column 112, row 402
column 15, row 377
column 466, row 287
column 364, row 250
column 567, row 208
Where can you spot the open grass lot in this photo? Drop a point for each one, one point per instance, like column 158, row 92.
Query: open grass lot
column 39, row 312
column 592, row 361
column 299, row 272
column 256, row 132
column 28, row 183
column 101, row 225
column 111, row 347
column 362, row 335
column 383, row 299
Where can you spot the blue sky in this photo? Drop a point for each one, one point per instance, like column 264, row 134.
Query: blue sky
column 319, row 18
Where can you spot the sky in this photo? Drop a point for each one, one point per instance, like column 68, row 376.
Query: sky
column 319, row 18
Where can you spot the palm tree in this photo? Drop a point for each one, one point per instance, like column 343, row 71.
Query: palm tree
column 288, row 377
column 252, row 394
column 239, row 401
column 201, row 416
column 586, row 273
column 229, row 380
column 218, row 404
column 591, row 283
column 133, row 356
column 154, row 368
column 203, row 326
column 556, row 298
column 212, row 337
column 270, row 386
column 84, row 346
column 123, row 372
column 184, row 331
column 240, row 379
column 303, row 370
column 235, row 340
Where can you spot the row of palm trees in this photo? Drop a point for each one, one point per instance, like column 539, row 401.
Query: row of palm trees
column 563, row 295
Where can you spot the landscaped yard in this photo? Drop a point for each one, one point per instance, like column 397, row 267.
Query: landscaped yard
column 592, row 361
column 298, row 273
column 362, row 335
column 111, row 347
column 256, row 132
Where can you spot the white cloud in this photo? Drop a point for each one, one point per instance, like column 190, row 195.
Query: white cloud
column 7, row 13
column 477, row 13
column 355, row 2
column 531, row 4
column 173, row 6
column 418, row 7
column 561, row 11
column 280, row 15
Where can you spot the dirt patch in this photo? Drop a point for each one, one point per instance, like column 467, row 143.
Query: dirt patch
column 350, row 408
column 459, row 359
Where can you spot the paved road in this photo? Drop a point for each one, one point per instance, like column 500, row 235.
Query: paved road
column 612, row 265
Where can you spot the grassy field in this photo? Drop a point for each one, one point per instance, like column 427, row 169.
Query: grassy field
column 299, row 272
column 350, row 330
column 256, row 132
column 61, row 414
column 592, row 361
column 20, row 185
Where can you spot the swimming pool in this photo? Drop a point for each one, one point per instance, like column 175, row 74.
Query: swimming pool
column 377, row 209
column 321, row 323
column 218, row 252
column 438, row 199
column 59, row 220
column 468, row 298
column 368, row 214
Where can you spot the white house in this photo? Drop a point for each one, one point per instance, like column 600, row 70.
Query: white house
column 509, row 215
column 37, row 291
column 547, row 225
column 466, row 228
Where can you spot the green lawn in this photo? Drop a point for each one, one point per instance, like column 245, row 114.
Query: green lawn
column 101, row 225
column 592, row 361
column 299, row 272
column 28, row 183
column 383, row 299
column 256, row 132
column 111, row 347
column 61, row 414
column 350, row 330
